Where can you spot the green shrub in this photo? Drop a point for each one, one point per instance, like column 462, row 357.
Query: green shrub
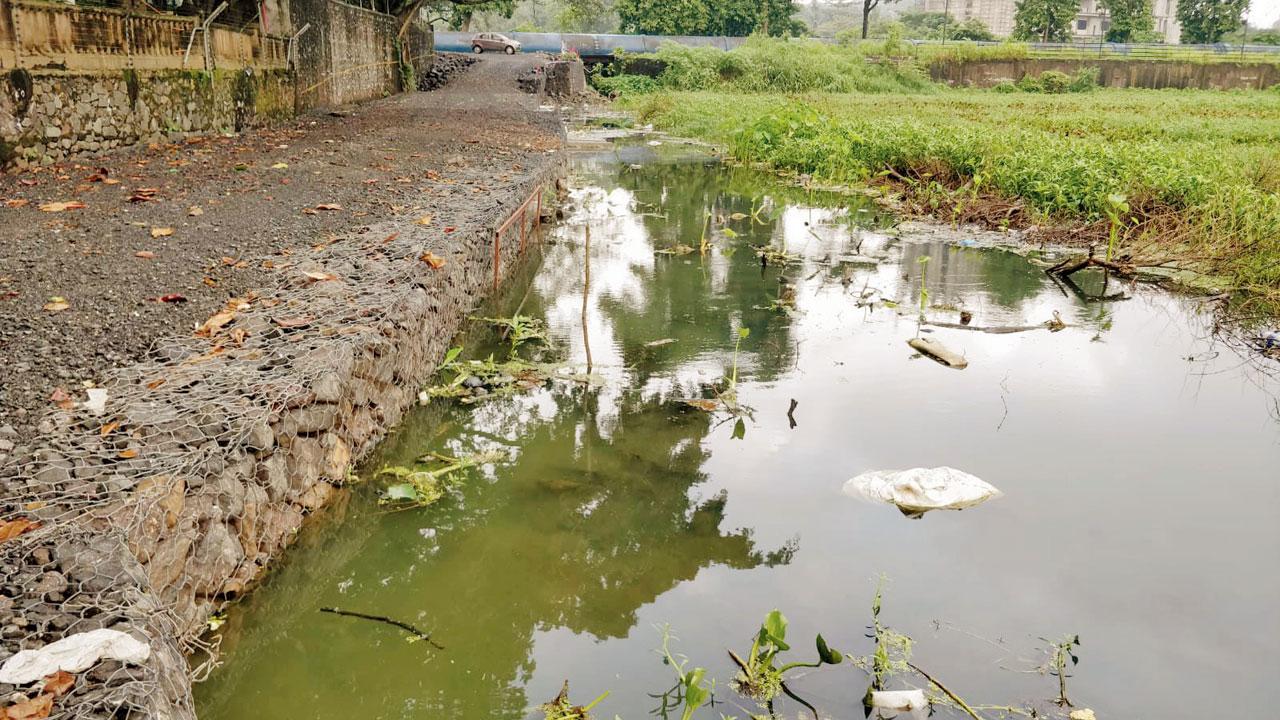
column 1030, row 83
column 624, row 85
column 1054, row 82
column 1005, row 86
column 1085, row 80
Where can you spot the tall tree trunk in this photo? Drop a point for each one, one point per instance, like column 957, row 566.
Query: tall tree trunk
column 866, row 16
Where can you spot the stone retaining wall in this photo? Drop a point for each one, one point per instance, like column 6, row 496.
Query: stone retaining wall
column 47, row 116
column 203, row 464
column 1154, row 74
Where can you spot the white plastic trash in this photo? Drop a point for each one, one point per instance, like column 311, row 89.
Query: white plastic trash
column 919, row 490
column 898, row 699
column 73, row 654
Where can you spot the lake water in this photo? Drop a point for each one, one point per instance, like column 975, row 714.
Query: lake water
column 1139, row 461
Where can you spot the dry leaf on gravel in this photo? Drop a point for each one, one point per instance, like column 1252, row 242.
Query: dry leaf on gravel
column 320, row 276
column 145, row 254
column 328, row 206
column 195, row 211
column 59, row 683
column 161, row 232
column 10, row 529
column 100, row 175
column 60, row 398
column 143, row 195
column 425, row 219
column 57, row 304
column 435, row 261
column 294, row 322
column 16, row 202
column 172, row 298
column 128, row 454
column 61, row 206
column 215, row 323
column 36, row 708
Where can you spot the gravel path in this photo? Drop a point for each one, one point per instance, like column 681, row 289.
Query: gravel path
column 85, row 290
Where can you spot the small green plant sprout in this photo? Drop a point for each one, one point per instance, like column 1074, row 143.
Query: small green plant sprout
column 1116, row 208
column 423, row 487
column 733, row 376
column 761, row 678
column 691, row 690
column 704, row 243
column 893, row 650
column 520, row 329
column 559, row 708
column 1060, row 653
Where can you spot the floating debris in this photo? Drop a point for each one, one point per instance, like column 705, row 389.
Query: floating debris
column 937, row 351
column 919, row 490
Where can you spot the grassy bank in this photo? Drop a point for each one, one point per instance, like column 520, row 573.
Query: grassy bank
column 1185, row 176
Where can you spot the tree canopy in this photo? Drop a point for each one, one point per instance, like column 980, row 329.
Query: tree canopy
column 1044, row 20
column 734, row 18
column 1131, row 21
column 1207, row 21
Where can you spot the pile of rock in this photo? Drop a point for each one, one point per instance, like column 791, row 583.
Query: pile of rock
column 445, row 68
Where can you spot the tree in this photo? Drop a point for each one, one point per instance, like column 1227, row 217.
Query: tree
column 455, row 12
column 867, row 7
column 1131, row 20
column 1206, row 21
column 971, row 29
column 1044, row 20
column 734, row 18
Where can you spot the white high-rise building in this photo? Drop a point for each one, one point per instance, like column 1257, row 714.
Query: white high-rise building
column 1090, row 24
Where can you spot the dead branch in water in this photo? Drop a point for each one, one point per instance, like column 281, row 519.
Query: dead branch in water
column 954, row 697
column 389, row 621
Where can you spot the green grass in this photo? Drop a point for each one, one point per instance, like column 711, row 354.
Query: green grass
column 1200, row 169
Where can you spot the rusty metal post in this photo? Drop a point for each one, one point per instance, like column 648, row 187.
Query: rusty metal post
column 497, row 257
column 522, row 228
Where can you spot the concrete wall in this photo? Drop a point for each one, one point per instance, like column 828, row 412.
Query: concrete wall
column 347, row 56
column 1114, row 73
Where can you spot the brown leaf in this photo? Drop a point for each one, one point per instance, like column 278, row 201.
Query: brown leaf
column 36, row 708
column 145, row 254
column 143, row 195
column 195, row 211
column 172, row 298
column 109, row 428
column 57, row 304
column 28, row 182
column 435, row 261
column 294, row 322
column 450, row 229
column 16, row 202
column 425, row 219
column 59, row 683
column 111, row 181
column 320, row 276
column 10, row 529
column 60, row 398
column 155, row 383
column 215, row 323
column 328, row 206
column 100, row 175
column 161, row 232
column 128, row 454
column 210, row 282
column 61, row 206
column 390, row 237
column 704, row 405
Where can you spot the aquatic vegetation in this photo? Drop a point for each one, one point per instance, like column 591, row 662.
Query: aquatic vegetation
column 1060, row 652
column 1197, row 170
column 691, row 690
column 520, row 329
column 761, row 678
column 560, row 708
column 476, row 380
column 422, row 487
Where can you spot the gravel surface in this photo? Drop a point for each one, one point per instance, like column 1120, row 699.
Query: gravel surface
column 127, row 272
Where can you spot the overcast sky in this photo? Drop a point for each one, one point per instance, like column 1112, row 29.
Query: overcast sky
column 1264, row 12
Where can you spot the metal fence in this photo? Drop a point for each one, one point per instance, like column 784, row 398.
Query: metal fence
column 603, row 45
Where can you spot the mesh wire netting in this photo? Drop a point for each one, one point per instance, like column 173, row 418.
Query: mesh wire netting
column 170, row 497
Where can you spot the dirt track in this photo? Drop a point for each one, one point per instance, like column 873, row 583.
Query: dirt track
column 231, row 203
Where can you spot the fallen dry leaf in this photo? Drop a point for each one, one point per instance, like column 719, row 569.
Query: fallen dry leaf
column 425, row 219
column 215, row 323
column 111, row 181
column 143, row 195
column 57, row 304
column 10, row 529
column 145, row 254
column 172, row 298
column 128, row 454
column 109, row 428
column 61, row 206
column 28, row 182
column 450, row 229
column 36, row 708
column 16, row 202
column 161, row 232
column 155, row 383
column 280, row 166
column 195, row 211
column 60, row 398
column 435, row 261
column 59, row 683
column 100, row 175
column 294, row 322
column 705, row 405
column 320, row 276
column 328, row 206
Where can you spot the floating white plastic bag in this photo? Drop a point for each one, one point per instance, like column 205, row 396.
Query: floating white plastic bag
column 919, row 490
column 73, row 654
column 898, row 699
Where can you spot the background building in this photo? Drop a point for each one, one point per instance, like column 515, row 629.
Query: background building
column 1089, row 26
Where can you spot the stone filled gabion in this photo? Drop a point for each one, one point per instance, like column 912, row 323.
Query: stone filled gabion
column 157, row 510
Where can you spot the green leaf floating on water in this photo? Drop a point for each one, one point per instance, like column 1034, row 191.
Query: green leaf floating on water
column 403, row 491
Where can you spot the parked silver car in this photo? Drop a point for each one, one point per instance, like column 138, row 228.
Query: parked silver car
column 494, row 41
